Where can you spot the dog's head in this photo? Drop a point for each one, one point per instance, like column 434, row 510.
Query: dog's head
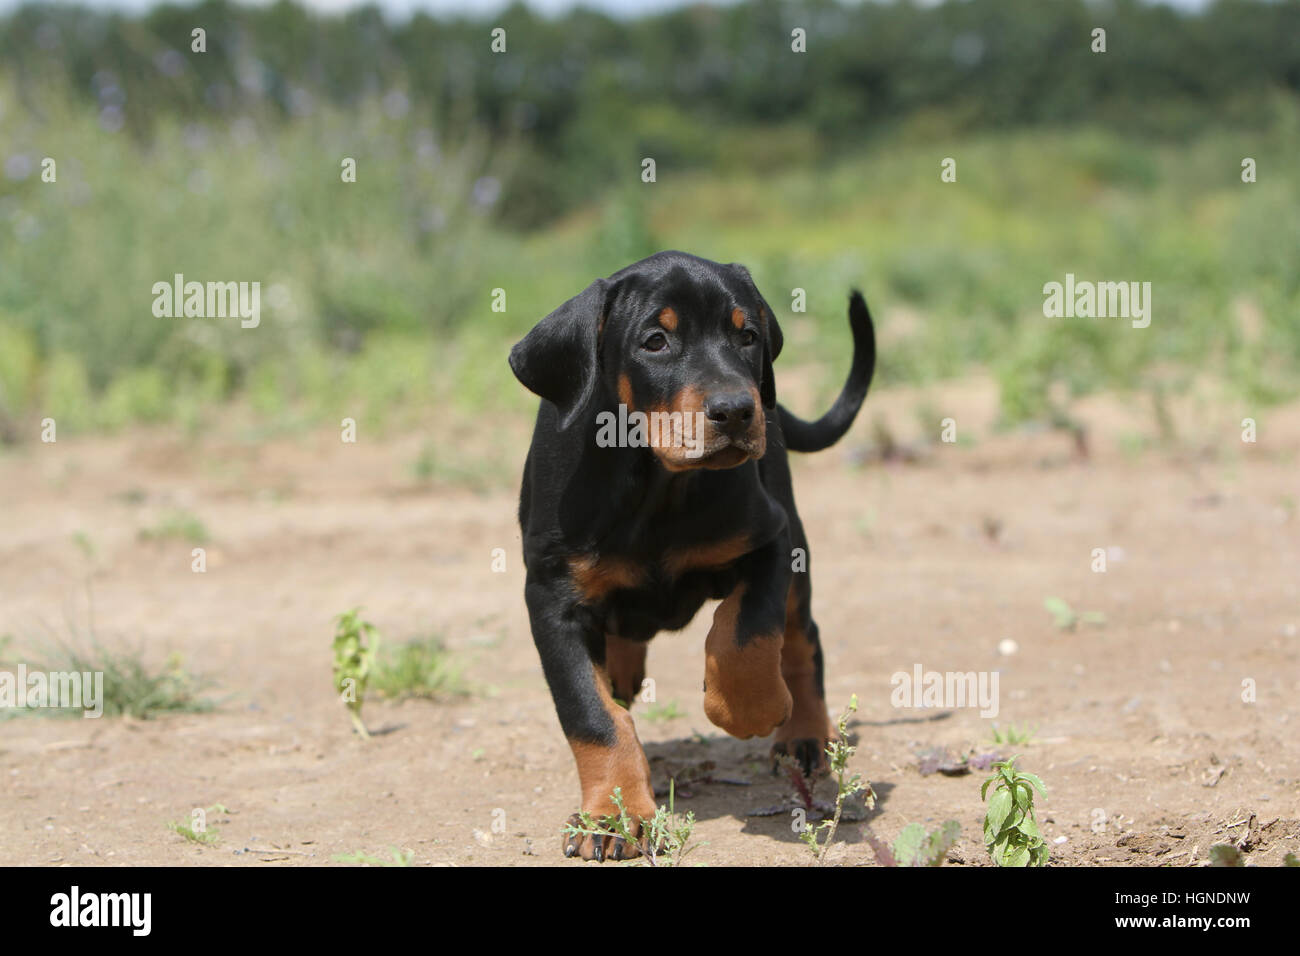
column 686, row 342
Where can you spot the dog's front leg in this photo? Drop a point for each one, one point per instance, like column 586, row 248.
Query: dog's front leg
column 744, row 692
column 600, row 733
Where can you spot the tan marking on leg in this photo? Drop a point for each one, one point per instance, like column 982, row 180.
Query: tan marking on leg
column 625, row 664
column 744, row 692
column 808, row 717
column 603, row 768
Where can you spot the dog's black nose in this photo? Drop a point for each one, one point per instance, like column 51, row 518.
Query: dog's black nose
column 731, row 412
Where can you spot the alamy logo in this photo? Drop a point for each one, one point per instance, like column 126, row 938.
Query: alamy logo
column 212, row 300
column 74, row 908
column 633, row 429
column 1098, row 300
column 946, row 689
column 71, row 690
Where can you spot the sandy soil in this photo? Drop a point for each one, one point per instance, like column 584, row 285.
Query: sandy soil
column 1142, row 736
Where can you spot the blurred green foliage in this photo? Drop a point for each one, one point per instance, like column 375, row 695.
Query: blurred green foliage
column 521, row 171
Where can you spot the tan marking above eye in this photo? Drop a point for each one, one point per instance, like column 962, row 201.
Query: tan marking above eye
column 668, row 319
column 738, row 318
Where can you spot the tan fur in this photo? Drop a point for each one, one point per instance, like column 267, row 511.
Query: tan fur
column 595, row 576
column 808, row 718
column 625, row 664
column 714, row 554
column 744, row 692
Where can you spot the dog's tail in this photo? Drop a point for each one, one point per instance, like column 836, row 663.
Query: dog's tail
column 831, row 427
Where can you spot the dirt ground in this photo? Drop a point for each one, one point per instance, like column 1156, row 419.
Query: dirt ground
column 940, row 556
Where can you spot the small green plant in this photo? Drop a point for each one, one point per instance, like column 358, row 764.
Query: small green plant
column 658, row 713
column 194, row 836
column 180, row 525
column 1291, row 860
column 1013, row 735
column 838, row 752
column 1225, row 854
column 1066, row 619
column 425, row 465
column 202, row 836
column 667, row 835
column 1010, row 827
column 356, row 644
column 83, row 542
column 421, row 668
column 397, row 858
column 915, row 846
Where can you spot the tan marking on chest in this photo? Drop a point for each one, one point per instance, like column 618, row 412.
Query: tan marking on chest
column 712, row 554
column 595, row 577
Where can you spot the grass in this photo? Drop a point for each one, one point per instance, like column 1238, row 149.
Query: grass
column 377, row 295
column 362, row 662
column 396, row 857
column 131, row 686
column 661, row 713
column 421, row 668
column 1012, row 734
column 177, row 525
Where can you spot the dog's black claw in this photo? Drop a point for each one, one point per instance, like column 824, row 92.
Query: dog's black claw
column 806, row 753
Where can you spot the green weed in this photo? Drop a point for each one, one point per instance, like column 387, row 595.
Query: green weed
column 356, row 644
column 1010, row 828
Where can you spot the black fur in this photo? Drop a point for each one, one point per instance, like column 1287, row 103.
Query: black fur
column 580, row 500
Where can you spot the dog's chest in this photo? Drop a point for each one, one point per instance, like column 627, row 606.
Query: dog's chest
column 639, row 596
column 664, row 604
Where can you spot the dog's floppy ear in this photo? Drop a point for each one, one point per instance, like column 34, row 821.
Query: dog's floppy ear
column 772, row 340
column 557, row 359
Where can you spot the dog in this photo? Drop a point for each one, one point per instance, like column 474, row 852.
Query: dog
column 625, row 537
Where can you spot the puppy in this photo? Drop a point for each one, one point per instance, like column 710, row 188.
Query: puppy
column 657, row 479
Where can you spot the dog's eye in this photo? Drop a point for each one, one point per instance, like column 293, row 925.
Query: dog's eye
column 655, row 342
column 748, row 336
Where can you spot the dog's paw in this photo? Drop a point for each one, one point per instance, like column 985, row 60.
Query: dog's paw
column 806, row 735
column 808, row 754
column 609, row 844
column 747, row 711
column 601, row 846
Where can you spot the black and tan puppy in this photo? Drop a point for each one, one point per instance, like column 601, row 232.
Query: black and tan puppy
column 628, row 530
